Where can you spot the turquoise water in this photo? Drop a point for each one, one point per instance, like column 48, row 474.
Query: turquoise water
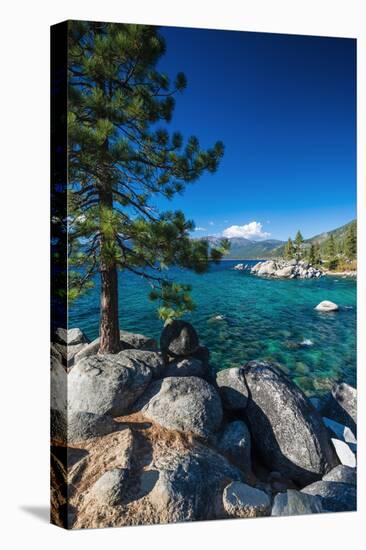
column 263, row 319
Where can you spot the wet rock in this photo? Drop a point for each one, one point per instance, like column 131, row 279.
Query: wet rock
column 327, row 306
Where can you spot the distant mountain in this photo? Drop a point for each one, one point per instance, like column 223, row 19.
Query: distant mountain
column 246, row 249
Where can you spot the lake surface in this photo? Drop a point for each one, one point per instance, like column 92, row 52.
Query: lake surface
column 262, row 319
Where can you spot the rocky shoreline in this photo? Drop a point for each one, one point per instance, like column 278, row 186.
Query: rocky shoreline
column 154, row 434
column 291, row 269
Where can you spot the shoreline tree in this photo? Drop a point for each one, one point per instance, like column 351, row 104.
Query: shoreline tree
column 289, row 249
column 312, row 254
column 120, row 159
column 350, row 242
column 298, row 243
column 331, row 253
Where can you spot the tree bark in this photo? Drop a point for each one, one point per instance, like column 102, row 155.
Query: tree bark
column 109, row 322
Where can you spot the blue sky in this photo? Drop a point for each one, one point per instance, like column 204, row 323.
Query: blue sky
column 284, row 106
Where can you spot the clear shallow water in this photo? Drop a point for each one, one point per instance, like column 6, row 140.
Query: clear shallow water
column 263, row 319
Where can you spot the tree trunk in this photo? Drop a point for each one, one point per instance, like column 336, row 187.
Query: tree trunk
column 109, row 323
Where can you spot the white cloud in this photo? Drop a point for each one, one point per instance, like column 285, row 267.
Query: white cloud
column 252, row 230
column 200, row 228
column 211, row 223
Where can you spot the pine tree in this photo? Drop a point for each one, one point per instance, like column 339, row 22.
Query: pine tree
column 289, row 249
column 312, row 255
column 331, row 252
column 350, row 243
column 330, row 247
column 317, row 254
column 298, row 243
column 120, row 159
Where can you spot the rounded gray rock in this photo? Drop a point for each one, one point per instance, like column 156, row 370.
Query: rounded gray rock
column 179, row 339
column 80, row 426
column 186, row 367
column 189, row 485
column 106, row 384
column 342, row 474
column 287, row 430
column 294, row 503
column 70, row 337
column 151, row 359
column 109, row 489
column 187, row 404
column 335, row 496
column 327, row 306
column 243, row 501
column 232, row 388
column 234, row 442
column 341, row 405
column 131, row 340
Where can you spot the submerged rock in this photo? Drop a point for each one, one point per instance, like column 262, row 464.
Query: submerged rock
column 187, row 404
column 335, row 497
column 326, row 306
column 243, row 501
column 233, row 389
column 107, row 384
column 179, row 339
column 295, row 503
column 287, row 431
